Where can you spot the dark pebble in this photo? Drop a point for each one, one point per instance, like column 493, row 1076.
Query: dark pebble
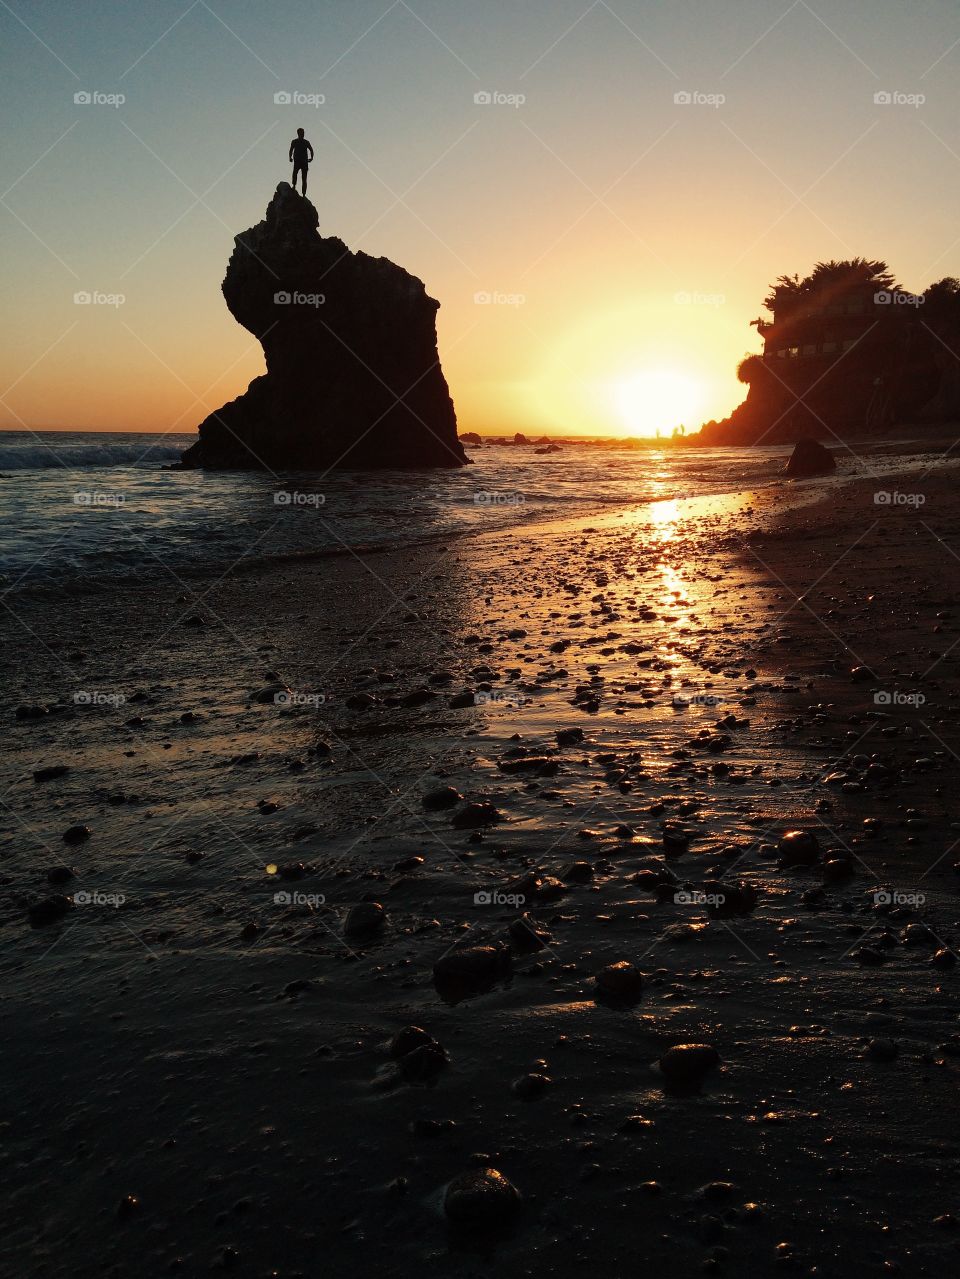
column 442, row 797
column 48, row 911
column 619, row 981
column 798, row 848
column 364, row 920
column 686, row 1064
column 50, row 772
column 482, row 1197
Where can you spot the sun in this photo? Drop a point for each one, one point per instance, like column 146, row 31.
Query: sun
column 656, row 401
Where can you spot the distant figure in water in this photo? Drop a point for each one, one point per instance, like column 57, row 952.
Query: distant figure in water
column 301, row 153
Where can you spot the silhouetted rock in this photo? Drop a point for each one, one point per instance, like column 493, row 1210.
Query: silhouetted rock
column 470, row 437
column 809, row 457
column 353, row 375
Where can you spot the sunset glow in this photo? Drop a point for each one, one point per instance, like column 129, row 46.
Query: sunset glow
column 654, row 402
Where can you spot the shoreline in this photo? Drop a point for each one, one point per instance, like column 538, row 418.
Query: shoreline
column 894, row 456
column 189, row 1052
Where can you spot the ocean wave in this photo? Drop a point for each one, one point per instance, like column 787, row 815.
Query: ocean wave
column 70, row 457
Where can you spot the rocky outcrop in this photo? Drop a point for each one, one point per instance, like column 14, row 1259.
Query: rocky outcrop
column 809, row 457
column 353, row 375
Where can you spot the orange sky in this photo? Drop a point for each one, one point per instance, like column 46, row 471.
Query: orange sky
column 598, row 248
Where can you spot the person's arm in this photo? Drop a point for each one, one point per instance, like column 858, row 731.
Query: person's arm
column 290, row 155
column 311, row 152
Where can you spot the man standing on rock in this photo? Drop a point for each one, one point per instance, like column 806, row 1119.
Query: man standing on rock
column 301, row 153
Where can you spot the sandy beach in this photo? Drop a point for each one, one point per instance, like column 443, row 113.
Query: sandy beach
column 295, row 797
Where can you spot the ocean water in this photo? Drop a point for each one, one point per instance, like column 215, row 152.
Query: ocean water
column 82, row 510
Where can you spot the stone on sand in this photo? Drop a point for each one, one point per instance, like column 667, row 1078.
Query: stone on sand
column 365, row 919
column 798, row 848
column 481, row 1198
column 619, row 981
column 686, row 1064
column 809, row 457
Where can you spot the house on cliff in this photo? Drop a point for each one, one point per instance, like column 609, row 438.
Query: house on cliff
column 847, row 351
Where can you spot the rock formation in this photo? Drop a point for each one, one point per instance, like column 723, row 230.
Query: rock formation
column 809, row 457
column 353, row 375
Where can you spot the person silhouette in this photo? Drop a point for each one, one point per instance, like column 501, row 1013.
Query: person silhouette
column 301, row 153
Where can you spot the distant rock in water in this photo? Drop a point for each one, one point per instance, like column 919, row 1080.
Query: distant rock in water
column 353, row 375
column 809, row 457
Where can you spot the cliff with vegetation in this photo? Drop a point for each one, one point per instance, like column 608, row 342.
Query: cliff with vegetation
column 847, row 351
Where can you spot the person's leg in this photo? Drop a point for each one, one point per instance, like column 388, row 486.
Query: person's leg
column 304, row 179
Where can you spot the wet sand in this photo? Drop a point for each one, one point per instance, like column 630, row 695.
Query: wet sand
column 202, row 1074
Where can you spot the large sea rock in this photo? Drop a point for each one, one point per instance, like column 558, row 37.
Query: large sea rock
column 353, row 374
column 809, row 457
